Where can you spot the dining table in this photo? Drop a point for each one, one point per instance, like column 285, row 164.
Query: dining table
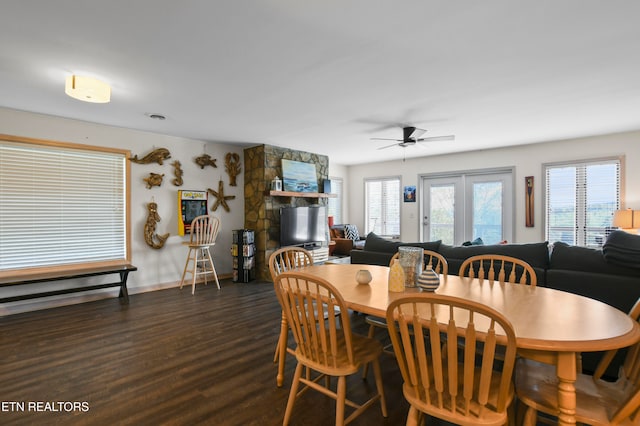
column 551, row 326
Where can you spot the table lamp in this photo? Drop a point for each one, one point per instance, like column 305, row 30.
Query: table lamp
column 627, row 220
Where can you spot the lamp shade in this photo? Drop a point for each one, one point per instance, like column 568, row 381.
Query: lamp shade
column 87, row 89
column 626, row 219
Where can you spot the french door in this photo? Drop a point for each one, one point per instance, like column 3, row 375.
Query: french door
column 463, row 207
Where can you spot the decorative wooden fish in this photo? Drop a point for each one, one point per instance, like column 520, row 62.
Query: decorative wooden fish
column 232, row 166
column 205, row 160
column 177, row 172
column 154, row 179
column 155, row 156
column 152, row 239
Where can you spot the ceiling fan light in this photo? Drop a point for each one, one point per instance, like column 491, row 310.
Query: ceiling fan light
column 87, row 89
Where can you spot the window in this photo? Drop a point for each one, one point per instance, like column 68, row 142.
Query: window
column 61, row 205
column 335, row 203
column 580, row 201
column 382, row 199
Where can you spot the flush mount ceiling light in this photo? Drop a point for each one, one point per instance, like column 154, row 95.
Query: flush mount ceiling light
column 87, row 89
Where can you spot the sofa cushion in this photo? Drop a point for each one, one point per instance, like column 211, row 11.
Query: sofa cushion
column 583, row 259
column 622, row 248
column 429, row 245
column 351, row 232
column 376, row 243
column 535, row 254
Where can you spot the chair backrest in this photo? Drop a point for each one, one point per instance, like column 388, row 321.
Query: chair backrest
column 319, row 338
column 629, row 374
column 461, row 382
column 288, row 258
column 204, row 229
column 496, row 267
column 436, row 260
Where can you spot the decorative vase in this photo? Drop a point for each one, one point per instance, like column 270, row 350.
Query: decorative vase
column 411, row 259
column 396, row 277
column 363, row 276
column 428, row 280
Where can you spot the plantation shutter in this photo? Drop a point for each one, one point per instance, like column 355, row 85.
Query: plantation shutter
column 383, row 206
column 61, row 206
column 580, row 201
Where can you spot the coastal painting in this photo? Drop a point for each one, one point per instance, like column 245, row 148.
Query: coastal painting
column 299, row 177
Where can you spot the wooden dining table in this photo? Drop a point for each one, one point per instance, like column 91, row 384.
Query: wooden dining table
column 551, row 326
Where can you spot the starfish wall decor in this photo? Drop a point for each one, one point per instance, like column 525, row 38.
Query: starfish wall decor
column 221, row 199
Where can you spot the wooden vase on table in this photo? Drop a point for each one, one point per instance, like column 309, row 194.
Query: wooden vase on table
column 396, row 277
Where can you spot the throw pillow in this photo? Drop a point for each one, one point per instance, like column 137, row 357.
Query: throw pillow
column 351, row 232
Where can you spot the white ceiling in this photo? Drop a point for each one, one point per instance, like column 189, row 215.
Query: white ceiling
column 325, row 76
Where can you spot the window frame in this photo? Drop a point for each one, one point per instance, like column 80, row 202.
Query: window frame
column 580, row 236
column 125, row 191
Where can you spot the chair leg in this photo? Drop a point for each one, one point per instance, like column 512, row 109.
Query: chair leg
column 372, row 332
column 413, row 418
column 186, row 266
column 341, row 395
column 530, row 417
column 377, row 373
column 282, row 349
column 292, row 394
column 213, row 268
column 195, row 271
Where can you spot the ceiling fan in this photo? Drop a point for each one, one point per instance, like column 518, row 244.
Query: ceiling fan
column 411, row 136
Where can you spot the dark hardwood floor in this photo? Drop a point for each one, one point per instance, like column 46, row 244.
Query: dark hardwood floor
column 169, row 357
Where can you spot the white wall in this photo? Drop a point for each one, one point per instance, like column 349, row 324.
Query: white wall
column 341, row 171
column 527, row 160
column 163, row 267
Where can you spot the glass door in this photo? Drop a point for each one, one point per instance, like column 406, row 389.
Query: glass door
column 464, row 207
column 441, row 219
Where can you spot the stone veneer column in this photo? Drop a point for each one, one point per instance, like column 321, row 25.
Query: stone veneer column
column 262, row 211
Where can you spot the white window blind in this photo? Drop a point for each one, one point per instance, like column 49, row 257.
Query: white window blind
column 382, row 198
column 335, row 203
column 580, row 201
column 61, row 206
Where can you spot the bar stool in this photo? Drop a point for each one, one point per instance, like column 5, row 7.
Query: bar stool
column 204, row 231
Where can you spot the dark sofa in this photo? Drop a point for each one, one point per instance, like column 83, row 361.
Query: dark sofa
column 584, row 271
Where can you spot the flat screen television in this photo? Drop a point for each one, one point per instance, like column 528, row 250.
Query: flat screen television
column 302, row 226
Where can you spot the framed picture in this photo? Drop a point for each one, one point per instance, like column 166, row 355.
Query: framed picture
column 299, row 177
column 409, row 194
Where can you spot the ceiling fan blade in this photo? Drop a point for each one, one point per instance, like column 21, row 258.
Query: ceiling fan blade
column 384, row 139
column 388, row 146
column 437, row 138
column 416, row 133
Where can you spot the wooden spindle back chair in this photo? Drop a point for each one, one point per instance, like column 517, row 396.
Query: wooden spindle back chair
column 496, row 267
column 458, row 386
column 322, row 345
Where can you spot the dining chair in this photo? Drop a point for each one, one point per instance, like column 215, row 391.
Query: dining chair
column 204, row 231
column 598, row 402
column 282, row 260
column 431, row 258
column 496, row 267
column 456, row 386
column 324, row 347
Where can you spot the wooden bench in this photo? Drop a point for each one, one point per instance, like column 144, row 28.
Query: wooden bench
column 40, row 277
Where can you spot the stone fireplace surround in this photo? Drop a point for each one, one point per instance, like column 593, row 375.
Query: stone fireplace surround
column 261, row 210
